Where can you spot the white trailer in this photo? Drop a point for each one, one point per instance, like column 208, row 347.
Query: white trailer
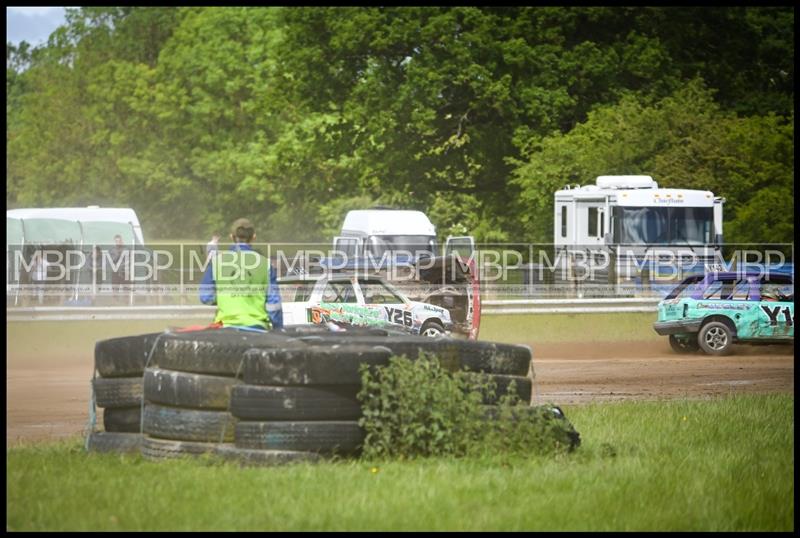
column 624, row 226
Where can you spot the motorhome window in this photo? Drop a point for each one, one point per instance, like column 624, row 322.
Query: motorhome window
column 592, row 221
column 413, row 244
column 663, row 225
column 563, row 221
column 339, row 292
column 602, row 224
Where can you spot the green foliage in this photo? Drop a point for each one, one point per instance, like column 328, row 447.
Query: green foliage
column 194, row 116
column 420, row 409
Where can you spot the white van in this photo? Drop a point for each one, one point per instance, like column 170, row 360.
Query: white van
column 378, row 231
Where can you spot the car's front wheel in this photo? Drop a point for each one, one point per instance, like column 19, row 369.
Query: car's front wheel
column 715, row 338
column 433, row 329
column 687, row 344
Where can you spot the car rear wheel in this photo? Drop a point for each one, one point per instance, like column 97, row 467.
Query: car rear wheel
column 687, row 344
column 433, row 329
column 715, row 338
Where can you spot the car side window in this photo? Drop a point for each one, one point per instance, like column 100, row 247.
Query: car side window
column 720, row 289
column 339, row 292
column 776, row 291
column 742, row 291
column 376, row 293
column 303, row 292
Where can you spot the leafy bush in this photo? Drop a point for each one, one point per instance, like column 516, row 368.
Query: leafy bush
column 418, row 409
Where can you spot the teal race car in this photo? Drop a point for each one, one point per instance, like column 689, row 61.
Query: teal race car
column 713, row 311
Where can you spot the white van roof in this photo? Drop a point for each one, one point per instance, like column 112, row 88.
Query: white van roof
column 123, row 215
column 388, row 222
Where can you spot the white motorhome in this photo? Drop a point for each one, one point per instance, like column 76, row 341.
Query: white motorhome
column 625, row 217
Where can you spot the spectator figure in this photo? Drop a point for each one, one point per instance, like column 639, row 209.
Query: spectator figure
column 243, row 284
column 212, row 246
column 40, row 266
column 119, row 261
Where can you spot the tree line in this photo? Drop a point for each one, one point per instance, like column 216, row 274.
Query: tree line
column 291, row 116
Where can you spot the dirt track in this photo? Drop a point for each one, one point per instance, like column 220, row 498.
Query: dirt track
column 48, row 398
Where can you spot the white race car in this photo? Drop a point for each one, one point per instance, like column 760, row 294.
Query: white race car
column 358, row 301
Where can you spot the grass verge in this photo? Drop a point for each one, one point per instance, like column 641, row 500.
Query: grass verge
column 541, row 328
column 708, row 465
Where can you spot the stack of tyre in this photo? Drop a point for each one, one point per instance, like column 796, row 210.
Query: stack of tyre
column 117, row 386
column 279, row 396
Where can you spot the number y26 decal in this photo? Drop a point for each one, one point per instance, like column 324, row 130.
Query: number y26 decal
column 401, row 317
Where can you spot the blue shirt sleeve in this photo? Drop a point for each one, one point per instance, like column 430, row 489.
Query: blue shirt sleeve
column 208, row 288
column 274, row 308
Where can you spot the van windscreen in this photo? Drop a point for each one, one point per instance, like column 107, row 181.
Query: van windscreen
column 415, row 245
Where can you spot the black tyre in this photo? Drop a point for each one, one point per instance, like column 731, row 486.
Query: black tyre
column 253, row 456
column 216, row 352
column 117, row 391
column 114, row 442
column 310, row 365
column 123, row 419
column 325, row 402
column 453, row 354
column 432, row 329
column 164, row 449
column 545, row 418
column 522, row 386
column 188, row 424
column 687, row 344
column 125, row 356
column 186, row 389
column 715, row 338
column 339, row 437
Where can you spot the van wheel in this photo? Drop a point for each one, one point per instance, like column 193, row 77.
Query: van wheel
column 715, row 338
column 433, row 329
column 687, row 344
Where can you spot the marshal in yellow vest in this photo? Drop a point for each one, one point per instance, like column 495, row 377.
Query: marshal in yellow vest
column 241, row 278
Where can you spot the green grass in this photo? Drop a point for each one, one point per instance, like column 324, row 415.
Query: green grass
column 524, row 328
column 713, row 465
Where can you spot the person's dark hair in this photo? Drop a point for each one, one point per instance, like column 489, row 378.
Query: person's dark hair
column 243, row 229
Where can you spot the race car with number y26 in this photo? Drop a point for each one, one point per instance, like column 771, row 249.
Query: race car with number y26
column 716, row 310
column 358, row 301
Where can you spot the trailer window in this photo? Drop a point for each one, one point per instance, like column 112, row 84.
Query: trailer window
column 563, row 221
column 592, row 228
